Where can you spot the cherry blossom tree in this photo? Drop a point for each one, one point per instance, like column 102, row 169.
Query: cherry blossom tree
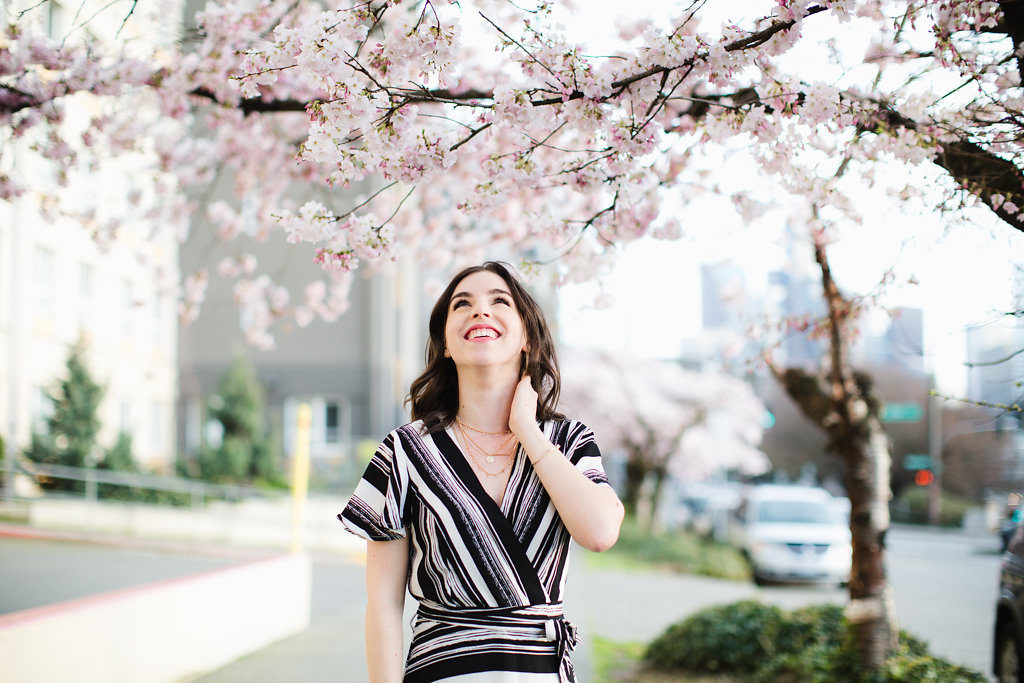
column 667, row 420
column 459, row 129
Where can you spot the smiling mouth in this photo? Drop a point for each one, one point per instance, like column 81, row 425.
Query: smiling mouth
column 482, row 333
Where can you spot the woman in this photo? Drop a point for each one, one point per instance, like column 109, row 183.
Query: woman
column 471, row 505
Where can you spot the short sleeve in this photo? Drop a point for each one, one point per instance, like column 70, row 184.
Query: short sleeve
column 376, row 509
column 580, row 447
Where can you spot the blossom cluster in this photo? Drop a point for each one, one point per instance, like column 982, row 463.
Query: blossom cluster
column 462, row 129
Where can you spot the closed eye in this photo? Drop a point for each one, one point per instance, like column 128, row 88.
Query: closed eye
column 458, row 303
column 502, row 300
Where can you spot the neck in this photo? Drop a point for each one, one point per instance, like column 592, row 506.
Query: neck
column 485, row 397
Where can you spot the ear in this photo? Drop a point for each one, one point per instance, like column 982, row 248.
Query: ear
column 447, row 353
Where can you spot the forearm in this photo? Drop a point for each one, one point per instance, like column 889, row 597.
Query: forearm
column 386, row 565
column 591, row 512
column 384, row 646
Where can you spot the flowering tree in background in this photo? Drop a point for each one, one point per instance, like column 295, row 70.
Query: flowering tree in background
column 666, row 418
column 465, row 128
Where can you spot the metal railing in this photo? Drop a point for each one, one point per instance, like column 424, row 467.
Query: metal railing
column 198, row 491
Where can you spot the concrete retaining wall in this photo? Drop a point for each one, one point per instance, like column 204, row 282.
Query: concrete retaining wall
column 253, row 523
column 161, row 632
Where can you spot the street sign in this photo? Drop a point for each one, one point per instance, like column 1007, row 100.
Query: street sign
column 902, row 412
column 917, row 461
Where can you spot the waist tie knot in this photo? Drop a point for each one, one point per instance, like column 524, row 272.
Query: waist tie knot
column 546, row 620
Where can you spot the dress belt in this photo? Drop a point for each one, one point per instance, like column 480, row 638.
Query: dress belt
column 547, row 616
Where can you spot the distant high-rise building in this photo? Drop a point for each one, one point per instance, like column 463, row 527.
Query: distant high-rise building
column 723, row 291
column 800, row 299
column 901, row 343
column 995, row 357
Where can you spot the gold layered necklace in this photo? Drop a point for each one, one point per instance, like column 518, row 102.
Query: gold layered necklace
column 469, row 443
column 480, row 431
column 490, row 456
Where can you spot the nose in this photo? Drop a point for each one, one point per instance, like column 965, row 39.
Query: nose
column 482, row 311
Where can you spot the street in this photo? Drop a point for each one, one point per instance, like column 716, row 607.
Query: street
column 945, row 586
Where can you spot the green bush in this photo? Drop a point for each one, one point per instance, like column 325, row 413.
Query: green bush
column 119, row 459
column 679, row 551
column 809, row 645
column 732, row 638
column 911, row 507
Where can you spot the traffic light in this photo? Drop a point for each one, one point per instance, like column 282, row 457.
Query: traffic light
column 924, row 477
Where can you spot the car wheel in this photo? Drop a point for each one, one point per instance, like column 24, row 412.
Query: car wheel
column 1008, row 655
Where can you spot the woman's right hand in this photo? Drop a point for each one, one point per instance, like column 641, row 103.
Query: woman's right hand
column 522, row 419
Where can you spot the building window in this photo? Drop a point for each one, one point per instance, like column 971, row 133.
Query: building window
column 56, row 21
column 42, row 410
column 193, row 425
column 157, row 428
column 86, row 295
column 331, row 421
column 42, row 278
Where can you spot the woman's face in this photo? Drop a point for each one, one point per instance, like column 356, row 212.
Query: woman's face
column 483, row 326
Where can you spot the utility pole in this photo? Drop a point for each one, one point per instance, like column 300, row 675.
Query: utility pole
column 934, row 452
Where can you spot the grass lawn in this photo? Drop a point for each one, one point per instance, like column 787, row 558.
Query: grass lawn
column 621, row 663
column 677, row 551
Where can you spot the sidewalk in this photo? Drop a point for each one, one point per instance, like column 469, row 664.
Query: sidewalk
column 624, row 606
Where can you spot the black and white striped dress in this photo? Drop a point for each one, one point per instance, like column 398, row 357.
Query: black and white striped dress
column 489, row 578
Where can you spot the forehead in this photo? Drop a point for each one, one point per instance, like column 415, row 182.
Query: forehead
column 479, row 284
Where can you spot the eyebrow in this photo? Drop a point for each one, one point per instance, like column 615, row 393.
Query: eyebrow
column 467, row 295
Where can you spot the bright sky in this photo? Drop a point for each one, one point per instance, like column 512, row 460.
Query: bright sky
column 964, row 278
column 965, row 274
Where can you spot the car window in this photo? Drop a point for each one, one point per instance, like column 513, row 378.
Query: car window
column 796, row 512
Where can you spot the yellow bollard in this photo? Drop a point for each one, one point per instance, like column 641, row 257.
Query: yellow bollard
column 300, row 477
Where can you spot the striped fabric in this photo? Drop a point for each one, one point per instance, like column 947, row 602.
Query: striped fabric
column 489, row 578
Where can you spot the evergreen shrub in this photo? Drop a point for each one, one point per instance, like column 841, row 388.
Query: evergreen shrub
column 763, row 643
column 70, row 435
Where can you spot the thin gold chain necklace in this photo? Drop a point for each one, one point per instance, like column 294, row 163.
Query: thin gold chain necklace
column 490, row 455
column 508, row 463
column 480, row 431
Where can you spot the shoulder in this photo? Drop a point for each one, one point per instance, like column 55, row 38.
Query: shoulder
column 414, row 427
column 400, row 437
column 415, row 437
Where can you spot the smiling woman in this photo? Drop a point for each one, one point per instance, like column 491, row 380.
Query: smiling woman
column 472, row 505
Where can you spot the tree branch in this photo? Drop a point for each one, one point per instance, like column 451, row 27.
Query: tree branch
column 835, row 302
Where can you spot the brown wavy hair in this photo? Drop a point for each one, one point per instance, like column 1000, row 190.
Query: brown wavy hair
column 434, row 395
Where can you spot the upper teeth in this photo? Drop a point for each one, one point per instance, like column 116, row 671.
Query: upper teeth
column 482, row 332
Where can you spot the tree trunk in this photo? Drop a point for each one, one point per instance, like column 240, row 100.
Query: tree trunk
column 660, row 474
column 845, row 406
column 871, row 610
column 636, row 472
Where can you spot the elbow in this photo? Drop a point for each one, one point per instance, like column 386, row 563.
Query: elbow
column 602, row 542
column 603, row 536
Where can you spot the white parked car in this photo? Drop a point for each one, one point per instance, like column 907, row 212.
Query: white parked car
column 792, row 533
